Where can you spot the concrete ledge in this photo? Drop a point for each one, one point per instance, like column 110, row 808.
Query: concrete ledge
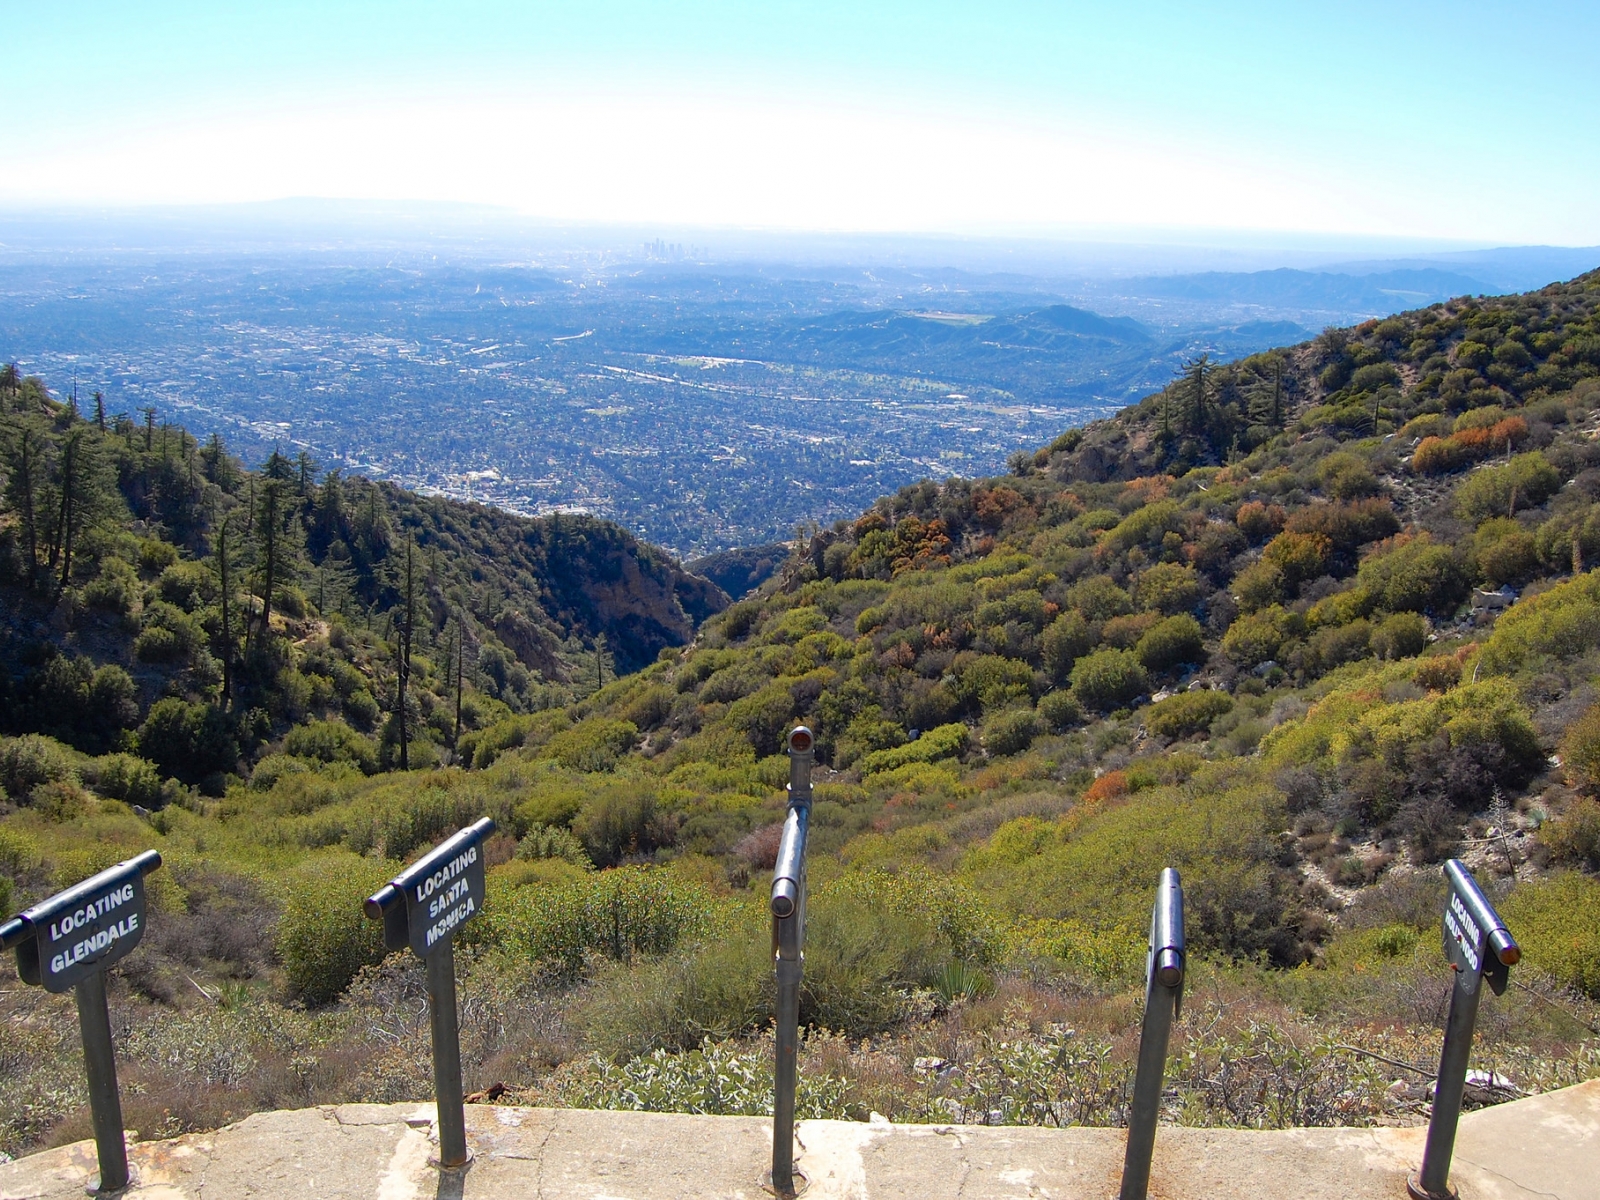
column 1545, row 1146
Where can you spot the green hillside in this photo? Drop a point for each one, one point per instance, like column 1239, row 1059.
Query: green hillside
column 160, row 599
column 1244, row 629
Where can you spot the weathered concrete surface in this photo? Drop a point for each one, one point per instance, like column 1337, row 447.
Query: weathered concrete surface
column 1547, row 1146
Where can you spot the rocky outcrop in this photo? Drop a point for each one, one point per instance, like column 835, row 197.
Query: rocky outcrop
column 1542, row 1146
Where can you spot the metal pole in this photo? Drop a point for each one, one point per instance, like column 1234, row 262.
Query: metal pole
column 1163, row 992
column 441, row 965
column 1153, row 1040
column 1433, row 1181
column 787, row 1074
column 105, row 1106
column 788, row 904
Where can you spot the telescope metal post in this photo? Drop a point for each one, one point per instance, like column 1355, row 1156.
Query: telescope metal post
column 422, row 908
column 786, row 1075
column 66, row 943
column 1481, row 952
column 441, row 971
column 788, row 904
column 1448, row 1089
column 105, row 1106
column 1163, row 997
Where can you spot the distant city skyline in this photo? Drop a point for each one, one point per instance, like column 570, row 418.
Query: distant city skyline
column 1463, row 122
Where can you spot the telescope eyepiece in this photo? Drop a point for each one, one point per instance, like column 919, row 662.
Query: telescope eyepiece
column 1169, row 968
column 375, row 906
column 1505, row 950
column 13, row 933
column 785, row 896
column 800, row 740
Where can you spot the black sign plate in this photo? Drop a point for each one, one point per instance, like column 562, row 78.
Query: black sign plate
column 1476, row 940
column 443, row 889
column 85, row 928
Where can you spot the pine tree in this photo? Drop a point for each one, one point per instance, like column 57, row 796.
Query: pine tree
column 1195, row 373
column 24, row 477
column 461, row 650
column 328, row 522
column 75, row 482
column 278, row 467
column 403, row 635
column 270, row 538
column 225, row 583
column 1266, row 398
column 307, row 468
column 335, row 580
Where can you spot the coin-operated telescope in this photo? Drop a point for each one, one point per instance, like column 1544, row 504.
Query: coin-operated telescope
column 421, row 909
column 1480, row 950
column 1163, row 1003
column 788, row 947
column 68, row 942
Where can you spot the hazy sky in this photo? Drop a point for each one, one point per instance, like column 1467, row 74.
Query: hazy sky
column 1459, row 120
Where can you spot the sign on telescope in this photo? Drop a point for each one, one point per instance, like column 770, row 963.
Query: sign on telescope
column 85, row 928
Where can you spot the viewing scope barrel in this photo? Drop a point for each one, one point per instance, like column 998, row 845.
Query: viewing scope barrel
column 13, row 933
column 1500, row 942
column 786, row 873
column 790, row 866
column 1166, row 932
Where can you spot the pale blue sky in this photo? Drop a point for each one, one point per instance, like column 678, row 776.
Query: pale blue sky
column 1460, row 120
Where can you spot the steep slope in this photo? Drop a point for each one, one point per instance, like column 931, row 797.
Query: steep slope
column 115, row 539
column 740, row 571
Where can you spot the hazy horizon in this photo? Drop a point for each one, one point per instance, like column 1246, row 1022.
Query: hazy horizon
column 1422, row 121
column 467, row 230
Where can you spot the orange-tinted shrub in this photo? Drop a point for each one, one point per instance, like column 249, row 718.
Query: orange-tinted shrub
column 1435, row 456
column 992, row 506
column 1109, row 786
column 1258, row 521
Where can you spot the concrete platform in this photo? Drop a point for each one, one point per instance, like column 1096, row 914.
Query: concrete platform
column 1546, row 1146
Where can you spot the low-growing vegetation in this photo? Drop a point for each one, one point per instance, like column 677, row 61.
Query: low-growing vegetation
column 1302, row 626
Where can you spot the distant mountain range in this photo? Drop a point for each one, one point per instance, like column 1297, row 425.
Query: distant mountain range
column 1502, row 270
column 1343, row 293
column 1287, row 287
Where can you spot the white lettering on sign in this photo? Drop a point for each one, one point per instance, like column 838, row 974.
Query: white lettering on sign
column 61, row 926
column 450, row 920
column 96, row 944
column 1465, row 930
column 439, row 903
column 446, row 873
